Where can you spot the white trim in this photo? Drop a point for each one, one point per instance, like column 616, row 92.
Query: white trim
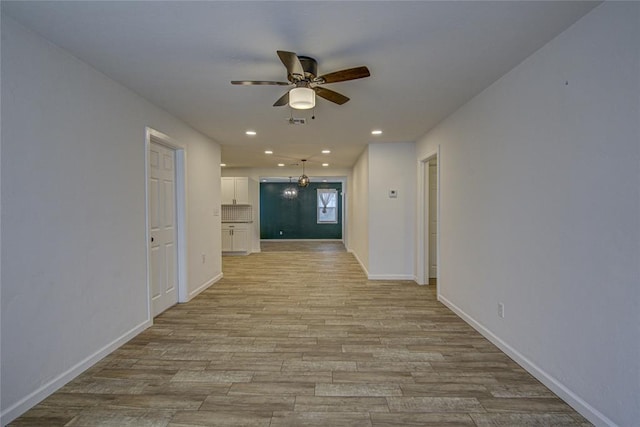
column 181, row 211
column 390, row 276
column 421, row 246
column 181, row 220
column 327, row 190
column 422, row 224
column 32, row 399
column 439, row 222
column 343, row 200
column 301, row 240
column 204, row 287
column 575, row 401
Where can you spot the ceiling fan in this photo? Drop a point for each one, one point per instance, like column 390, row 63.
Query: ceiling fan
column 302, row 72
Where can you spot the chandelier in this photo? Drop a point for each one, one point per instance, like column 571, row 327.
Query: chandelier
column 290, row 192
column 303, row 181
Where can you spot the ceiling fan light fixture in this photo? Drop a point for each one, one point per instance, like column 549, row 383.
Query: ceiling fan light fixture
column 302, row 98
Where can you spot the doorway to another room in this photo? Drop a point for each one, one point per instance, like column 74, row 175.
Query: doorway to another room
column 428, row 242
column 432, row 220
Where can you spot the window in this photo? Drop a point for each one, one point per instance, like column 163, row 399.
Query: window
column 327, row 206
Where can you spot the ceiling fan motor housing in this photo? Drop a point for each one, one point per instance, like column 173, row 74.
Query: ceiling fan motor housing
column 310, row 67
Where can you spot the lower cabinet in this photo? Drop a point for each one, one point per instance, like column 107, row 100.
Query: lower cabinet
column 235, row 238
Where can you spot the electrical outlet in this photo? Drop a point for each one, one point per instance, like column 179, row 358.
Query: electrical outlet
column 501, row 310
column 204, row 258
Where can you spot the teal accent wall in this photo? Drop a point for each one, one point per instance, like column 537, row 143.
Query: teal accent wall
column 297, row 218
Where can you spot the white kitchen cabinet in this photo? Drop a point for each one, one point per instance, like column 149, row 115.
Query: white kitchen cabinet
column 235, row 190
column 235, row 238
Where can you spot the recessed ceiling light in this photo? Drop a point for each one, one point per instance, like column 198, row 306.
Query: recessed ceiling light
column 223, row 164
column 325, row 164
column 326, row 151
column 251, row 132
column 268, row 152
column 324, row 180
column 281, row 164
column 376, row 132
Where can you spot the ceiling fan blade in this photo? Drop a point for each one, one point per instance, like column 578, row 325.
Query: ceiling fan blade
column 344, row 75
column 330, row 95
column 283, row 100
column 258, row 82
column 292, row 63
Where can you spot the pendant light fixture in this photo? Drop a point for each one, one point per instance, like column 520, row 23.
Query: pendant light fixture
column 290, row 192
column 303, row 181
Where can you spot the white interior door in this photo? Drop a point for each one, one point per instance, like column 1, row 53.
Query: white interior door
column 433, row 219
column 162, row 228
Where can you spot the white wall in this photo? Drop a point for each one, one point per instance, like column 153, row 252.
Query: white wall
column 392, row 166
column 540, row 210
column 357, row 241
column 203, row 208
column 74, row 281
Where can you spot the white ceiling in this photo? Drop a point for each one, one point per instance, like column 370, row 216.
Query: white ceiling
column 426, row 60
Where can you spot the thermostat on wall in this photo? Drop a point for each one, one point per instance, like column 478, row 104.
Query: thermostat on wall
column 393, row 194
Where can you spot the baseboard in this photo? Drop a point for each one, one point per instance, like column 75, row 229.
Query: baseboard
column 575, row 401
column 391, row 277
column 203, row 287
column 22, row 406
column 417, row 280
column 301, row 240
column 355, row 255
column 380, row 276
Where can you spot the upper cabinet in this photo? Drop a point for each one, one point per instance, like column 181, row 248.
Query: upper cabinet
column 235, row 190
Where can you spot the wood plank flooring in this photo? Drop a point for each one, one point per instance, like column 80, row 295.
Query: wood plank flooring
column 302, row 338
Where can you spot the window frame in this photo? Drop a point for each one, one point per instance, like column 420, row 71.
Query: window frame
column 320, row 206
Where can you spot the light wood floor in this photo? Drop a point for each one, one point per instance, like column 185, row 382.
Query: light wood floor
column 303, row 339
column 301, row 246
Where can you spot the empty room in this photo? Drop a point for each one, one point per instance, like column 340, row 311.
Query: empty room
column 367, row 213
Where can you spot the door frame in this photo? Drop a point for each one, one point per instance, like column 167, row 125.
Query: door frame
column 152, row 135
column 422, row 250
